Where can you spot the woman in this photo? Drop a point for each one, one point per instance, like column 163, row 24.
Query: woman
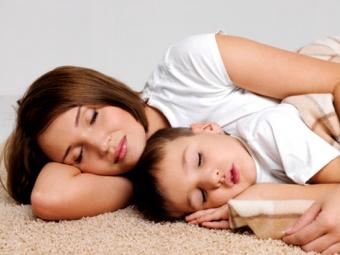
column 66, row 130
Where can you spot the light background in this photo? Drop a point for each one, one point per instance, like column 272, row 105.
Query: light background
column 126, row 38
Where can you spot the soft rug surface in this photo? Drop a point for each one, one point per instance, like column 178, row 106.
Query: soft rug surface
column 120, row 232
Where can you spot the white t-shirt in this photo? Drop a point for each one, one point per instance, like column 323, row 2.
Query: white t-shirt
column 285, row 150
column 190, row 84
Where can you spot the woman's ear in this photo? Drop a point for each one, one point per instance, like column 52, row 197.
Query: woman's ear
column 210, row 127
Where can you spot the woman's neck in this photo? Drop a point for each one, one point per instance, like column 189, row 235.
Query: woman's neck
column 156, row 120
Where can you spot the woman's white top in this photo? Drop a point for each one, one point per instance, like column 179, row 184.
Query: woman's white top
column 191, row 84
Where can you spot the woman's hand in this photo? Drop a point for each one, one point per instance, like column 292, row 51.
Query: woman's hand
column 336, row 98
column 319, row 228
column 216, row 218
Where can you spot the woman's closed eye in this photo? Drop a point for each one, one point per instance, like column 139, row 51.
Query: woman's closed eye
column 94, row 117
column 80, row 156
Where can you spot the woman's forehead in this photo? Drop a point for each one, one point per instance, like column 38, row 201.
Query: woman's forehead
column 57, row 136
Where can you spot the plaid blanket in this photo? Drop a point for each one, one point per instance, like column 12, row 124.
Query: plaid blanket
column 317, row 110
column 328, row 49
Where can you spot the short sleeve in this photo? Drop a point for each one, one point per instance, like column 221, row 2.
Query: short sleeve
column 284, row 145
column 198, row 58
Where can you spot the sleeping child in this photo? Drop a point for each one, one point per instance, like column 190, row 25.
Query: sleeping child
column 199, row 169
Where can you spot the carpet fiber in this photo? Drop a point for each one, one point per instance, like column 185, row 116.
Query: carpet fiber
column 120, row 232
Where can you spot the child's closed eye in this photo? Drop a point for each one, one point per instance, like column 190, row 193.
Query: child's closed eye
column 199, row 159
column 204, row 195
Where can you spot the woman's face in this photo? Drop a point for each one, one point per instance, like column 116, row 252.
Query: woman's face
column 104, row 140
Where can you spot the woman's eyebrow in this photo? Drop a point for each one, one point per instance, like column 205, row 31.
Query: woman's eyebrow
column 78, row 116
column 76, row 122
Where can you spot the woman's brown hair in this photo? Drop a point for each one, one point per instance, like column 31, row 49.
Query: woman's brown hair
column 50, row 95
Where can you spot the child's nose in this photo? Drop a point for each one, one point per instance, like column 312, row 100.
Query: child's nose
column 213, row 179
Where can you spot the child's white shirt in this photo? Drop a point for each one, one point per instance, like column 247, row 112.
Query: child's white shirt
column 285, row 150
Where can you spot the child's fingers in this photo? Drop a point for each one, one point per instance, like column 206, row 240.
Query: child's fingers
column 209, row 217
column 198, row 214
column 223, row 224
column 213, row 216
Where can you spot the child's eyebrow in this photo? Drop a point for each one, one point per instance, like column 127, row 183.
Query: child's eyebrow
column 185, row 152
column 184, row 157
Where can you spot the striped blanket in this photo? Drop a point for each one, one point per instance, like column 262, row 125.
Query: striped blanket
column 317, row 110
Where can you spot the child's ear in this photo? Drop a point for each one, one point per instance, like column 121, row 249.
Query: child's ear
column 210, row 127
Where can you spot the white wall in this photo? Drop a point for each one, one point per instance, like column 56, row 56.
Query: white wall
column 126, row 38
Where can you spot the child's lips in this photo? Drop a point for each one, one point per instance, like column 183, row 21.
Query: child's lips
column 232, row 176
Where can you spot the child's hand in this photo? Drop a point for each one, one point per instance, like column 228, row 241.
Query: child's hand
column 216, row 218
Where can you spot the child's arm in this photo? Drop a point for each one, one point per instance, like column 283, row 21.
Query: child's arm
column 216, row 217
column 273, row 72
column 63, row 192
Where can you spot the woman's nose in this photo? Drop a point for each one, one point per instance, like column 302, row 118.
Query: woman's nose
column 99, row 142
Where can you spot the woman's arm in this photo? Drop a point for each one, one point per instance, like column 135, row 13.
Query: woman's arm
column 217, row 217
column 275, row 191
column 63, row 192
column 329, row 173
column 336, row 95
column 319, row 228
column 273, row 72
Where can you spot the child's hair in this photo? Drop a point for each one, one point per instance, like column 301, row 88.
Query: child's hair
column 50, row 95
column 148, row 197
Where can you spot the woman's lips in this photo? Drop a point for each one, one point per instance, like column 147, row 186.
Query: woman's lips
column 121, row 150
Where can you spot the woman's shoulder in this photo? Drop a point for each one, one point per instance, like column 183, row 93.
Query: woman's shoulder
column 192, row 47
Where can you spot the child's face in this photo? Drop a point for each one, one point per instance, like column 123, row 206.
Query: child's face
column 204, row 171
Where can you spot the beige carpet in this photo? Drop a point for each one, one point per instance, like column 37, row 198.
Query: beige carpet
column 120, row 232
